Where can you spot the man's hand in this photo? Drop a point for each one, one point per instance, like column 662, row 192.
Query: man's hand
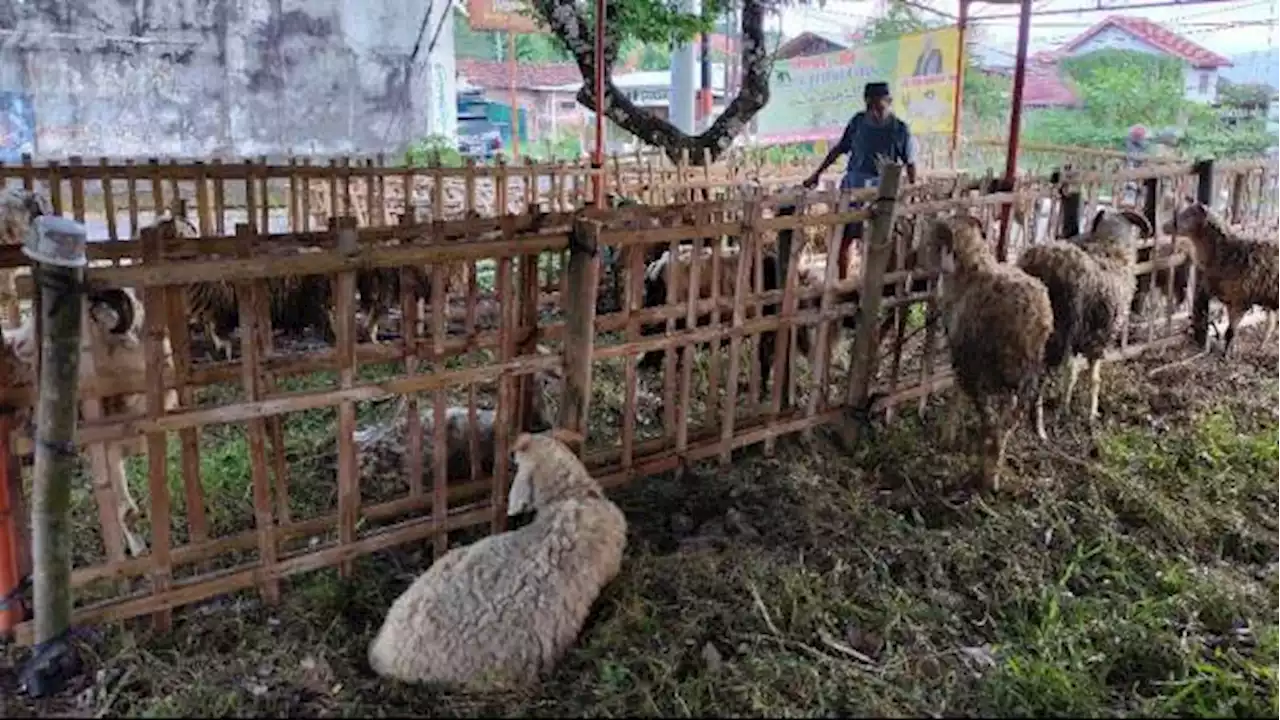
column 810, row 182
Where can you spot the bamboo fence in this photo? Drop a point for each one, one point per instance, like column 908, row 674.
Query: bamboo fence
column 483, row 349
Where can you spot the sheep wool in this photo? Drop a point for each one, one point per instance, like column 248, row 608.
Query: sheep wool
column 1239, row 272
column 998, row 320
column 501, row 612
column 1091, row 285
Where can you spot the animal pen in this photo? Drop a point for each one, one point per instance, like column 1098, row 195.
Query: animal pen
column 513, row 297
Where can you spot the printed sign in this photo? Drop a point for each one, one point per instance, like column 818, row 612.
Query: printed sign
column 812, row 98
column 504, row 15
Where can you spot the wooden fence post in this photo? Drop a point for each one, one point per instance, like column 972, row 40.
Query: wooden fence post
column 1200, row 304
column 1238, row 192
column 866, row 341
column 1071, row 202
column 580, row 316
column 57, row 246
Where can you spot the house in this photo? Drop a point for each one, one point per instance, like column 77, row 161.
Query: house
column 1121, row 32
column 811, row 43
column 545, row 107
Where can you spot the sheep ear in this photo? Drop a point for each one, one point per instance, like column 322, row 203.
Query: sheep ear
column 976, row 224
column 522, row 443
column 567, row 436
column 520, row 498
column 1097, row 218
column 1141, row 222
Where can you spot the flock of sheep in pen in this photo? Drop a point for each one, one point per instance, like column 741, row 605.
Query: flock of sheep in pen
column 503, row 610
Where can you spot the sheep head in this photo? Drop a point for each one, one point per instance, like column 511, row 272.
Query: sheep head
column 114, row 309
column 1111, row 223
column 956, row 244
column 547, row 472
column 1191, row 220
column 18, row 209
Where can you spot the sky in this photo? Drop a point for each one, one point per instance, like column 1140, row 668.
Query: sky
column 1227, row 28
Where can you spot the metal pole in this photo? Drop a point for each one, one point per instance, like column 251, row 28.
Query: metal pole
column 597, row 159
column 1015, row 123
column 704, row 97
column 515, row 105
column 958, row 100
column 683, row 86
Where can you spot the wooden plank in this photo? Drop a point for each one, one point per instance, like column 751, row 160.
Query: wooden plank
column 348, row 470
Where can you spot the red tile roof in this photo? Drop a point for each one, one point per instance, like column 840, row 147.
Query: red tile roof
column 1046, row 88
column 1157, row 36
column 494, row 74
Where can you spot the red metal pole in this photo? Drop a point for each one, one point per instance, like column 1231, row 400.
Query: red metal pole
column 597, row 159
column 958, row 100
column 1015, row 122
column 15, row 562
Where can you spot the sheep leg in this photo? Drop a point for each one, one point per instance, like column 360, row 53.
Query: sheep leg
column 127, row 511
column 1039, row 415
column 951, row 424
column 1076, row 365
column 1095, row 386
column 1271, row 328
column 220, row 344
column 1233, row 319
column 990, row 432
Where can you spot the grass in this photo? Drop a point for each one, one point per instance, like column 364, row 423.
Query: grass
column 1137, row 579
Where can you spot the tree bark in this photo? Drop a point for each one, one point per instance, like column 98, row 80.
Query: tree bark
column 568, row 24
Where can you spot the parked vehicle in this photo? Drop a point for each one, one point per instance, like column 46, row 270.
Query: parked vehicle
column 478, row 137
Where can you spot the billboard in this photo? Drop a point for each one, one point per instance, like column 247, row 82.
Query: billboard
column 505, row 15
column 812, row 98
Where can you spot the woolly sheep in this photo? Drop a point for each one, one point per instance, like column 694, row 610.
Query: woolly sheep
column 997, row 320
column 501, row 612
column 1239, row 272
column 1091, row 285
column 114, row 322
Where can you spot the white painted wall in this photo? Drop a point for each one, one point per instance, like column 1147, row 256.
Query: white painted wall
column 1199, row 84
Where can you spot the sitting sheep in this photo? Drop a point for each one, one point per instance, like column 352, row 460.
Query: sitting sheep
column 501, row 612
column 998, row 319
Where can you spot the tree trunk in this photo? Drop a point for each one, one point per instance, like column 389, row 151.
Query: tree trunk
column 569, row 25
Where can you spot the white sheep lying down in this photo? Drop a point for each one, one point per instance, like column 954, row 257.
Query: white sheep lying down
column 501, row 612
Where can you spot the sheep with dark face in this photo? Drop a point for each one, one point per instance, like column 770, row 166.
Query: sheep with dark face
column 1091, row 284
column 998, row 319
column 657, row 293
column 1239, row 272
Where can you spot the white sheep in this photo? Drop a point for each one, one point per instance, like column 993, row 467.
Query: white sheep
column 112, row 321
column 501, row 612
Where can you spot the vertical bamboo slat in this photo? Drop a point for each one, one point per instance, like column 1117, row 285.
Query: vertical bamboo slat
column 157, row 442
column 248, row 295
column 348, row 242
column 580, row 314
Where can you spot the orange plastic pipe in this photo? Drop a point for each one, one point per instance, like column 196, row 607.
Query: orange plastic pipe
column 11, row 536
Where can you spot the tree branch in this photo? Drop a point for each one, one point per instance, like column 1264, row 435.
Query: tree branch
column 571, row 27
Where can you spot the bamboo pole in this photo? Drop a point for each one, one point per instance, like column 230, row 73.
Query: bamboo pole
column 59, row 253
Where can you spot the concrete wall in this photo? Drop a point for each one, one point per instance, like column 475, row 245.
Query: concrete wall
column 232, row 78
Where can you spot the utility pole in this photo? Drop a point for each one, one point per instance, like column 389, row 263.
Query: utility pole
column 683, row 67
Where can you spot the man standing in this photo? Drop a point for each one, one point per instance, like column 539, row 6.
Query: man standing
column 871, row 135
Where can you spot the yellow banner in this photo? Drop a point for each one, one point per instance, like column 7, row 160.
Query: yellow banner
column 813, row 98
